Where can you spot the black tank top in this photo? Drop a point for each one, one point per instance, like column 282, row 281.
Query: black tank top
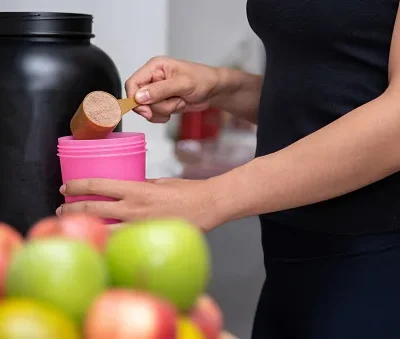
column 324, row 59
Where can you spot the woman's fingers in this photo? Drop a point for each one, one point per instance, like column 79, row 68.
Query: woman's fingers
column 160, row 119
column 177, row 86
column 169, row 106
column 149, row 72
column 226, row 335
column 160, row 88
column 153, row 82
column 144, row 111
column 102, row 209
column 105, row 187
column 161, row 112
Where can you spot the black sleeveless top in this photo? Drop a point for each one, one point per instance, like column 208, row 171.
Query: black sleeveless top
column 324, row 59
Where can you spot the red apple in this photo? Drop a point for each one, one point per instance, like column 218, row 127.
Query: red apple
column 126, row 314
column 208, row 317
column 73, row 226
column 10, row 240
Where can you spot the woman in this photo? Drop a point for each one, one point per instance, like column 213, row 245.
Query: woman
column 324, row 180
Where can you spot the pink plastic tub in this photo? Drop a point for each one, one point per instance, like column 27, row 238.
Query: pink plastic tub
column 101, row 151
column 123, row 166
column 86, row 148
column 73, row 149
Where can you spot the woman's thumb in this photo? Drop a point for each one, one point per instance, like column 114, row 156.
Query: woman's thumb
column 142, row 96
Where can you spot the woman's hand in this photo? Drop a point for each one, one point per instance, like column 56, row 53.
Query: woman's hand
column 164, row 86
column 193, row 200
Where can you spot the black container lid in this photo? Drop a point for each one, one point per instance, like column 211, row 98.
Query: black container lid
column 45, row 24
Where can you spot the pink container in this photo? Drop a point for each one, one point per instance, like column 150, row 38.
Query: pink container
column 116, row 138
column 101, row 151
column 101, row 147
column 85, row 148
column 124, row 166
column 87, row 154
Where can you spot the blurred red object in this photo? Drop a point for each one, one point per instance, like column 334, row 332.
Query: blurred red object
column 200, row 125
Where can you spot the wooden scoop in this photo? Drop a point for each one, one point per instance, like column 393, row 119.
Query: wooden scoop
column 98, row 115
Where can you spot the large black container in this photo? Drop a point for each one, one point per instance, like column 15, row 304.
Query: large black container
column 47, row 66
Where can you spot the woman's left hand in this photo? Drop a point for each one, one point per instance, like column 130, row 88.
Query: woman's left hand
column 193, row 200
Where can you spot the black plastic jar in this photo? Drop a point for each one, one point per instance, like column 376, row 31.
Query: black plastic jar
column 47, row 66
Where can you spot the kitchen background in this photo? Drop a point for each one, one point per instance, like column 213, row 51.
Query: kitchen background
column 215, row 32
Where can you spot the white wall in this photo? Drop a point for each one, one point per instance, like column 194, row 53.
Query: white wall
column 140, row 25
column 213, row 32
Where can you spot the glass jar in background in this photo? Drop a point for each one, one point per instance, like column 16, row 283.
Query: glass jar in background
column 211, row 142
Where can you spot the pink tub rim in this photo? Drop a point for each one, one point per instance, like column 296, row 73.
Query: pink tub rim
column 99, row 156
column 113, row 138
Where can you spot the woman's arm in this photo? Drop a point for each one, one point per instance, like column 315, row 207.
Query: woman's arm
column 358, row 149
column 238, row 93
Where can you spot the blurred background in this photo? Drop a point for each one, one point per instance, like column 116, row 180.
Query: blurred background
column 201, row 144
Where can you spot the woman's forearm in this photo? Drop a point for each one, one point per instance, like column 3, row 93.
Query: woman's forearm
column 358, row 149
column 238, row 93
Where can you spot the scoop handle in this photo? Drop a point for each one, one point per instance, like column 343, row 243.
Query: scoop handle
column 127, row 105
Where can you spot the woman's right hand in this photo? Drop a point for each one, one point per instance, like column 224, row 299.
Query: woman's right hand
column 164, row 86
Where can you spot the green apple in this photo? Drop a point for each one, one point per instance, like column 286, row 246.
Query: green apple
column 64, row 273
column 166, row 257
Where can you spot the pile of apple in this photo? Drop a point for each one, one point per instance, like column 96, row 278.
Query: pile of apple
column 72, row 278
